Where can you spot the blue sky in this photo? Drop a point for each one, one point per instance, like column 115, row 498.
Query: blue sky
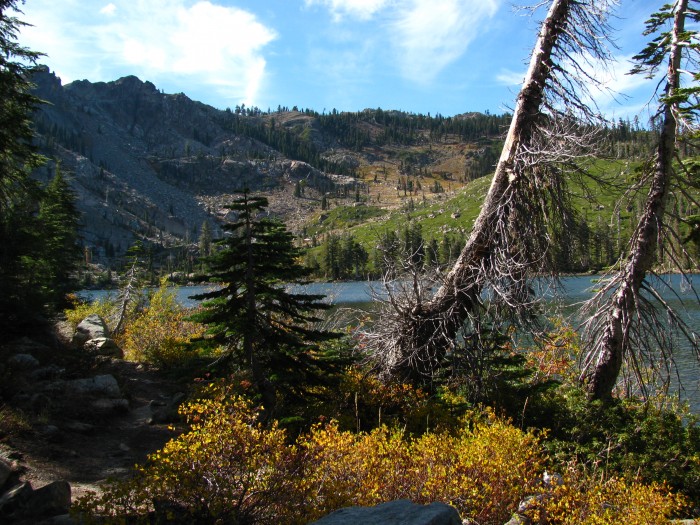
column 422, row 56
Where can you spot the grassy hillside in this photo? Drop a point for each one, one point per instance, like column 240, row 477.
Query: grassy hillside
column 606, row 209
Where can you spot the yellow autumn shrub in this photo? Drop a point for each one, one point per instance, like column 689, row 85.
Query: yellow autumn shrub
column 589, row 500
column 229, row 468
column 483, row 471
column 105, row 307
column 159, row 333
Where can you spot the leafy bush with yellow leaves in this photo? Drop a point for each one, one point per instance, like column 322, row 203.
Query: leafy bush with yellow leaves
column 79, row 309
column 229, row 468
column 483, row 471
column 588, row 500
column 159, row 332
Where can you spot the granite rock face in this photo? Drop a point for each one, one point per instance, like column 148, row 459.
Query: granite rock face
column 401, row 512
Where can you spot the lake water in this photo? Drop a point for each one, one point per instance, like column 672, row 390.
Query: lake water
column 574, row 290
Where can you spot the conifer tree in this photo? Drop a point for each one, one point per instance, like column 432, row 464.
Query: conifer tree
column 58, row 218
column 623, row 325
column 34, row 270
column 17, row 102
column 205, row 240
column 267, row 329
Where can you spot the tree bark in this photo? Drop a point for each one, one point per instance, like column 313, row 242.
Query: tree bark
column 614, row 343
column 434, row 324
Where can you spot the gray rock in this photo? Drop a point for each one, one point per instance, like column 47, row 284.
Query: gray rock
column 166, row 412
column 15, row 499
column 39, row 402
column 401, row 512
column 530, row 503
column 78, row 426
column 23, row 362
column 102, row 385
column 47, row 373
column 92, row 327
column 5, row 472
column 104, row 346
column 25, row 345
column 62, row 519
column 519, row 519
column 48, row 431
column 552, row 480
column 50, row 500
column 109, row 406
column 22, row 400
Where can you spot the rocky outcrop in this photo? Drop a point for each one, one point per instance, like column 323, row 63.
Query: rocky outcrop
column 20, row 503
column 402, row 512
column 92, row 334
column 92, row 327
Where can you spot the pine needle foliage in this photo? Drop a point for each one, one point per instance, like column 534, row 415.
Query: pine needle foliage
column 265, row 326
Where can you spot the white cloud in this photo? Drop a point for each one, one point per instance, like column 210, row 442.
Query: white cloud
column 426, row 35
column 615, row 85
column 431, row 34
column 109, row 9
column 506, row 77
column 154, row 39
column 362, row 9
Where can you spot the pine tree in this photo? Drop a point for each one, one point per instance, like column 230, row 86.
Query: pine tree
column 59, row 219
column 266, row 328
column 33, row 275
column 17, row 103
column 205, row 240
column 623, row 324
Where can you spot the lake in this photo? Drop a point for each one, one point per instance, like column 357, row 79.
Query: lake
column 574, row 290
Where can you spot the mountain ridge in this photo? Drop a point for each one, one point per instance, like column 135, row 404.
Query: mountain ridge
column 153, row 166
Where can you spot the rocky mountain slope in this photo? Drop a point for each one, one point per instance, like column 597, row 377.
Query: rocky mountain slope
column 153, row 166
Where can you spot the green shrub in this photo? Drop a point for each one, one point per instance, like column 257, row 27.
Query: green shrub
column 628, row 438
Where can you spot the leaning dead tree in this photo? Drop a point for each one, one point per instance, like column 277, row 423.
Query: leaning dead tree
column 628, row 320
column 552, row 129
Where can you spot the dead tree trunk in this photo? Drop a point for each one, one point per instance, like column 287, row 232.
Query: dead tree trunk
column 511, row 236
column 609, row 327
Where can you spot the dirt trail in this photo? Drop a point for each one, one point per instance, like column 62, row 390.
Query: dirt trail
column 68, row 443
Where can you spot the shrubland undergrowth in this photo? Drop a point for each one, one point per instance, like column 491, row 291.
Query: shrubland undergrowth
column 622, row 462
column 230, row 468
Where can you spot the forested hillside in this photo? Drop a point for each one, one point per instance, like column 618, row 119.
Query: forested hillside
column 154, row 167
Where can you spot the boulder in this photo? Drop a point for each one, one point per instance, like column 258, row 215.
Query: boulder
column 519, row 519
column 166, row 412
column 78, row 427
column 5, row 472
column 103, row 385
column 50, row 500
column 13, row 500
column 401, row 512
column 105, row 407
column 22, row 503
column 92, row 327
column 62, row 519
column 39, row 402
column 46, row 373
column 23, row 362
column 25, row 345
column 103, row 346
